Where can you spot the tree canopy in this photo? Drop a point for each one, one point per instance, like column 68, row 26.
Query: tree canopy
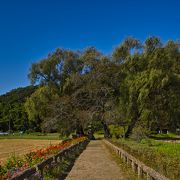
column 137, row 85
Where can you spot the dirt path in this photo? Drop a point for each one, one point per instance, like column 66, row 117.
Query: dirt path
column 95, row 163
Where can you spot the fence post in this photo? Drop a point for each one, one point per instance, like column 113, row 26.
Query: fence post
column 148, row 177
column 140, row 172
column 40, row 171
column 133, row 166
column 138, row 167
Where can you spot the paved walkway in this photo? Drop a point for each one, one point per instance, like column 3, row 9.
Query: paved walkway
column 95, row 163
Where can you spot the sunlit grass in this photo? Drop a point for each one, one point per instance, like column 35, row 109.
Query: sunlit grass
column 169, row 136
column 170, row 149
column 164, row 157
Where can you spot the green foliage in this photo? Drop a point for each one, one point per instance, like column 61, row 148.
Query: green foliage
column 54, row 69
column 140, row 133
column 116, row 131
column 12, row 111
column 149, row 90
column 138, row 84
column 36, row 106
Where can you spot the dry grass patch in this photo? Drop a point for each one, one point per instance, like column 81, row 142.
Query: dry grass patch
column 10, row 147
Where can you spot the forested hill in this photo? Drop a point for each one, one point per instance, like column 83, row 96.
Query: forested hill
column 17, row 95
column 12, row 108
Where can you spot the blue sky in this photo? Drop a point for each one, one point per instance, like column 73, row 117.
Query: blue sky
column 30, row 29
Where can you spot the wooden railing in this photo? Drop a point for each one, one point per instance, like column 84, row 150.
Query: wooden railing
column 138, row 167
column 39, row 168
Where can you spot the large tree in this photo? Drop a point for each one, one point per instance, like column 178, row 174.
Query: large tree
column 139, row 83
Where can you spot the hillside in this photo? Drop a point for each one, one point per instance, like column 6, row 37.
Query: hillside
column 12, row 111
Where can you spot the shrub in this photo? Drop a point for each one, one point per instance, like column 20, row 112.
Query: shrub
column 140, row 133
column 116, row 131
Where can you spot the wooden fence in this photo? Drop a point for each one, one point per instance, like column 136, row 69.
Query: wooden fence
column 39, row 168
column 138, row 167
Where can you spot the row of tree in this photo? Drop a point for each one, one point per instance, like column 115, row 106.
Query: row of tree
column 138, row 85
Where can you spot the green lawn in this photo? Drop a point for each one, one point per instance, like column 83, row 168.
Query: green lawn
column 169, row 136
column 48, row 136
column 164, row 157
column 170, row 149
column 98, row 135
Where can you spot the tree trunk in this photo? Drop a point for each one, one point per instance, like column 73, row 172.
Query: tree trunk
column 124, row 131
column 129, row 130
column 135, row 116
column 80, row 131
column 106, row 131
column 131, row 126
column 91, row 135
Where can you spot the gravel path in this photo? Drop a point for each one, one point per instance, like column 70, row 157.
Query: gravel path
column 95, row 163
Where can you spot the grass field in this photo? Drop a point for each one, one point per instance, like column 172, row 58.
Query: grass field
column 9, row 147
column 169, row 149
column 48, row 136
column 164, row 157
column 169, row 136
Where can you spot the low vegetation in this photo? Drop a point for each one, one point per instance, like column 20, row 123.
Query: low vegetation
column 16, row 164
column 40, row 136
column 161, row 156
column 169, row 136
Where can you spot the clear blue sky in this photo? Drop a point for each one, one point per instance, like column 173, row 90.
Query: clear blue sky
column 30, row 29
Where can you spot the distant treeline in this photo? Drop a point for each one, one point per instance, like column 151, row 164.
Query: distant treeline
column 12, row 112
column 136, row 87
